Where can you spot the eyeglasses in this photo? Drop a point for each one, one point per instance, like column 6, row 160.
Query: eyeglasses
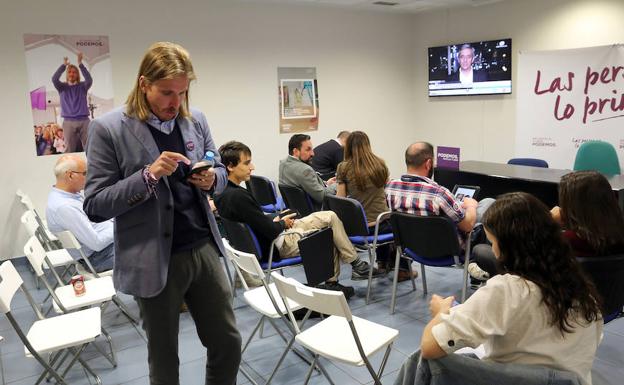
column 83, row 173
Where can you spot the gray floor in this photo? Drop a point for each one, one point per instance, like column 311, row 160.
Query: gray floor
column 410, row 319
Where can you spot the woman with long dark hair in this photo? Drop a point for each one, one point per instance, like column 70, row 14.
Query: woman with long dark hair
column 543, row 313
column 590, row 214
column 362, row 176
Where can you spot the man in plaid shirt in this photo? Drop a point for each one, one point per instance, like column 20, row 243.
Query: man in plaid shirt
column 416, row 193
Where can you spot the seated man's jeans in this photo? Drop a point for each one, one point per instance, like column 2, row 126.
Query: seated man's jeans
column 482, row 207
column 102, row 260
column 460, row 369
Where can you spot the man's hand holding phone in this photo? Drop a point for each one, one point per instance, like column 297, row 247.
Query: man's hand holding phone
column 166, row 164
column 289, row 219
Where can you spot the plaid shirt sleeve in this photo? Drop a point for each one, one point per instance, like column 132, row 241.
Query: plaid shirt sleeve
column 450, row 206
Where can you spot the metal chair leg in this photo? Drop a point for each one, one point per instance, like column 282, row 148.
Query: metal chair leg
column 309, row 374
column 88, row 369
column 395, row 280
column 384, row 361
column 124, row 309
column 410, row 270
column 465, row 284
column 370, row 274
column 281, row 359
column 112, row 359
column 424, row 278
column 253, row 333
column 74, row 359
column 246, row 374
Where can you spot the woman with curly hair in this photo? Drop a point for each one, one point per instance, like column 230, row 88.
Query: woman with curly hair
column 538, row 321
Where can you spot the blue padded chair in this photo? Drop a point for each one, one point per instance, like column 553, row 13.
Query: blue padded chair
column 599, row 156
column 263, row 190
column 298, row 200
column 242, row 238
column 353, row 218
column 533, row 162
column 430, row 241
column 607, row 274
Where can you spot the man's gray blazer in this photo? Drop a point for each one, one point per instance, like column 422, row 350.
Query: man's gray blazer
column 118, row 148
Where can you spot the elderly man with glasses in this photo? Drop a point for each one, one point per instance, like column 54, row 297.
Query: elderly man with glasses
column 65, row 212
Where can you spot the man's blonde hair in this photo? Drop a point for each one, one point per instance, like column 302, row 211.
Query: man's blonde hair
column 163, row 60
column 70, row 66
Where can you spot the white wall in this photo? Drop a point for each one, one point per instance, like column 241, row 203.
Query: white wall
column 363, row 61
column 371, row 68
column 484, row 126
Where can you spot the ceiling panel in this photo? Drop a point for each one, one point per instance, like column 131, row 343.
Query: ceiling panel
column 400, row 6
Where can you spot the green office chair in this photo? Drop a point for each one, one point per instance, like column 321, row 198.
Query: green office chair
column 597, row 155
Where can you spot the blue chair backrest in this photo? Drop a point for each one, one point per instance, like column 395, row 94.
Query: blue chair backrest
column 297, row 199
column 528, row 162
column 607, row 274
column 262, row 189
column 241, row 237
column 427, row 236
column 350, row 212
column 599, row 156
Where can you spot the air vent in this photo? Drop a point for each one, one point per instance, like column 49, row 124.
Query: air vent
column 386, row 3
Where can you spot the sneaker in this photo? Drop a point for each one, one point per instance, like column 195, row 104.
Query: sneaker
column 335, row 286
column 251, row 280
column 476, row 272
column 361, row 269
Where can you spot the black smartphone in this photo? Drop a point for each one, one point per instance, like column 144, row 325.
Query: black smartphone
column 283, row 213
column 199, row 169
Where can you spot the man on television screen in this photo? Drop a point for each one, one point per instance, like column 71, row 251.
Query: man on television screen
column 466, row 74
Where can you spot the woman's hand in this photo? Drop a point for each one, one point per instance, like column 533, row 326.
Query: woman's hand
column 439, row 305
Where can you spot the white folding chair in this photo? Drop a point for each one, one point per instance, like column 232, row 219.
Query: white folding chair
column 54, row 338
column 59, row 257
column 265, row 300
column 342, row 336
column 69, row 241
column 29, row 205
column 99, row 291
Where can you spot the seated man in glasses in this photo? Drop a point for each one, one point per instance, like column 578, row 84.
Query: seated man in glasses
column 64, row 212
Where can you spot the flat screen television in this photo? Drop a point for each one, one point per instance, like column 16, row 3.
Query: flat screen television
column 479, row 68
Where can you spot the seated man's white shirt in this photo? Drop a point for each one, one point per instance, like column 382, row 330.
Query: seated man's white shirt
column 507, row 316
column 64, row 212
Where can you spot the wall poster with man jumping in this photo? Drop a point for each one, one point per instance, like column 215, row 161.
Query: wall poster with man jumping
column 69, row 83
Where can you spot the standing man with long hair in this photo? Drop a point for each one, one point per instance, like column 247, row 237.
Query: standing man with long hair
column 167, row 243
column 74, row 108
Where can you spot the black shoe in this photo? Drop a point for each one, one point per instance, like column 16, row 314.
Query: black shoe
column 361, row 269
column 299, row 314
column 335, row 286
column 476, row 283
